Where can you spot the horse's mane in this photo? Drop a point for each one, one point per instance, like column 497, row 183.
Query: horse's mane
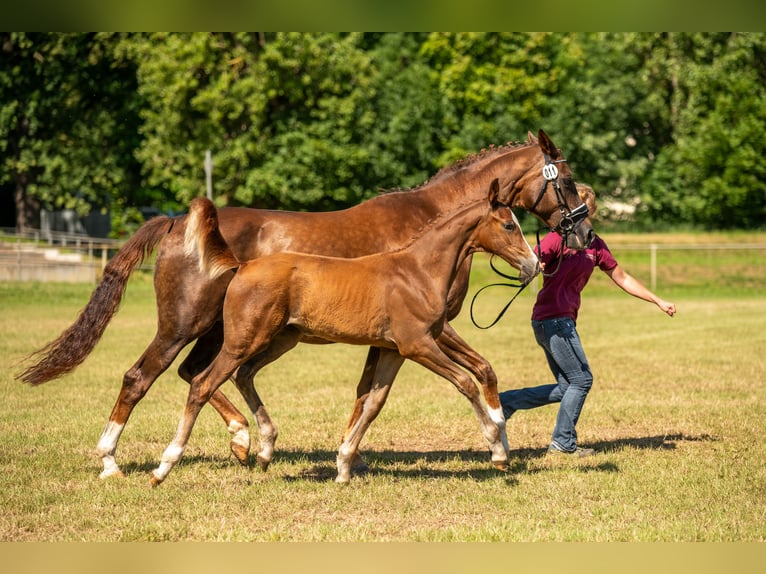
column 463, row 163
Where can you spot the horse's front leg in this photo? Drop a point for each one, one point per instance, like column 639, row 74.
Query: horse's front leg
column 366, row 409
column 461, row 353
column 427, row 353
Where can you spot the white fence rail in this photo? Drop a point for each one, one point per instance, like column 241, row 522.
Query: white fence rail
column 654, row 248
column 36, row 255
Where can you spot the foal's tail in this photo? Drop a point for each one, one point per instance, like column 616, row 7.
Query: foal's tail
column 71, row 348
column 204, row 239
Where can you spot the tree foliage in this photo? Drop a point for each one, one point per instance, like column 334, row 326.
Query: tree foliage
column 669, row 124
column 711, row 174
column 68, row 122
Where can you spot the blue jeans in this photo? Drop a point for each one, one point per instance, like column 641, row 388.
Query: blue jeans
column 566, row 358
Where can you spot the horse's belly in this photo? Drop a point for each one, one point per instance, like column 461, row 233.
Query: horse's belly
column 343, row 331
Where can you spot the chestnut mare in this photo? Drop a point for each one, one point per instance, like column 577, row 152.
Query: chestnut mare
column 189, row 302
column 396, row 301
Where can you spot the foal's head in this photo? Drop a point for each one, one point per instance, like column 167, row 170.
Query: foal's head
column 500, row 233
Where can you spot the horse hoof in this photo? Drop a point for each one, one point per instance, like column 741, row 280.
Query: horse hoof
column 263, row 462
column 113, row 474
column 240, row 452
column 154, row 480
column 501, row 465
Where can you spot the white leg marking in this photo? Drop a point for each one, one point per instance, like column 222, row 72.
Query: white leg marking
column 343, row 462
column 105, row 448
column 169, row 459
column 241, row 434
column 499, row 419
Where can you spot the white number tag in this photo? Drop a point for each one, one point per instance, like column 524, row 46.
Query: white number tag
column 550, row 172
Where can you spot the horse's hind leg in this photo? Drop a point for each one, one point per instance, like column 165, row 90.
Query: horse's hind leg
column 366, row 409
column 201, row 355
column 240, row 344
column 358, row 465
column 136, row 382
column 244, row 380
column 201, row 390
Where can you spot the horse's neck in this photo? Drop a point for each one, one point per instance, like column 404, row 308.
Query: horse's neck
column 443, row 246
column 510, row 165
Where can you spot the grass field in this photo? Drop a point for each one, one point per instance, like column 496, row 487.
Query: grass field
column 676, row 412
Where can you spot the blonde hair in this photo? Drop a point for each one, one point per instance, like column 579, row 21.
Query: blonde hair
column 588, row 196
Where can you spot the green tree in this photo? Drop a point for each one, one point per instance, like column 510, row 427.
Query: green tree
column 495, row 86
column 68, row 122
column 712, row 175
column 671, row 122
column 284, row 116
column 410, row 130
column 609, row 118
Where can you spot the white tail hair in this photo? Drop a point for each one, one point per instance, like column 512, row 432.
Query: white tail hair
column 204, row 241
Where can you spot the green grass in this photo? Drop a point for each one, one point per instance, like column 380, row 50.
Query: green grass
column 676, row 411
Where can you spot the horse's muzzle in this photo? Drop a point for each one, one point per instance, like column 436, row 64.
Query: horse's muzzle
column 528, row 272
column 582, row 236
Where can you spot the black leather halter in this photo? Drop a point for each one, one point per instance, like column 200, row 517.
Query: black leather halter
column 570, row 218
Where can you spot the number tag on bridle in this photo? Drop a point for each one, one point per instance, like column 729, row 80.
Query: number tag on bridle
column 550, row 172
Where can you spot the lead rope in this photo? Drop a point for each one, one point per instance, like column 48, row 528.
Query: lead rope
column 560, row 255
column 515, row 284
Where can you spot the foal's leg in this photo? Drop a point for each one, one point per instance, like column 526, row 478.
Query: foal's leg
column 201, row 355
column 188, row 305
column 136, row 382
column 201, row 389
column 366, row 409
column 458, row 351
column 243, row 379
column 240, row 344
column 427, row 353
column 461, row 353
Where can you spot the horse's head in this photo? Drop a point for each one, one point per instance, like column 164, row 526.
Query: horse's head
column 557, row 203
column 499, row 233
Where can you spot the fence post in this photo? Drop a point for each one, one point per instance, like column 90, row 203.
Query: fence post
column 209, row 174
column 653, row 251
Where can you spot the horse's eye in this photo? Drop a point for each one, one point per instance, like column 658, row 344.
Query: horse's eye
column 509, row 226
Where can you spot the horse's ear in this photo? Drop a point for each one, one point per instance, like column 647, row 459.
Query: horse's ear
column 547, row 145
column 531, row 138
column 494, row 191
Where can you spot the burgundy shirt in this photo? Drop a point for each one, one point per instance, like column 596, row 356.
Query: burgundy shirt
column 560, row 295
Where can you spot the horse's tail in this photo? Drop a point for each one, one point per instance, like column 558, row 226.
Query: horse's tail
column 71, row 348
column 204, row 239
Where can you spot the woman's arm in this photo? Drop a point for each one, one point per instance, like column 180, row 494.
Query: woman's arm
column 634, row 287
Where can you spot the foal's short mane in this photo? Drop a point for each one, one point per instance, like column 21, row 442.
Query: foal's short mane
column 428, row 224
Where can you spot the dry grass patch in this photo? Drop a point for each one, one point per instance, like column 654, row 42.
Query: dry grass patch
column 675, row 413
